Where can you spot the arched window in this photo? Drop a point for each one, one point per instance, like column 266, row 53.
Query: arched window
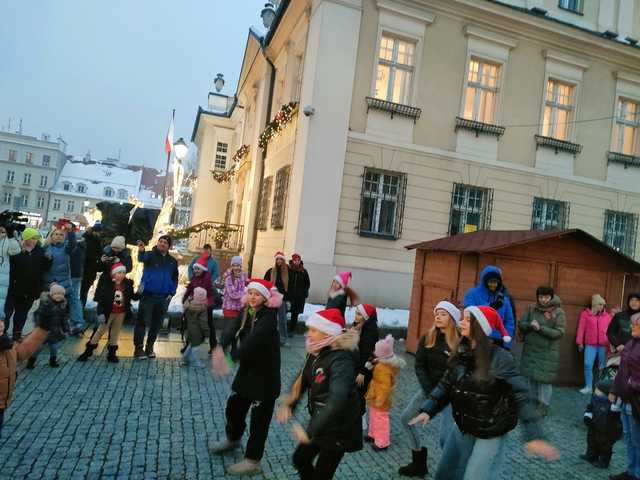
column 108, row 192
column 122, row 194
column 81, row 188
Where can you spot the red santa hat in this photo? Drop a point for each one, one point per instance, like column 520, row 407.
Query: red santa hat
column 264, row 287
column 367, row 311
column 296, row 256
column 490, row 321
column 329, row 321
column 118, row 268
column 201, row 264
column 280, row 255
column 343, row 278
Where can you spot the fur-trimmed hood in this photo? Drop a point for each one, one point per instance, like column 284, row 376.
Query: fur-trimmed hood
column 45, row 298
column 395, row 361
column 347, row 340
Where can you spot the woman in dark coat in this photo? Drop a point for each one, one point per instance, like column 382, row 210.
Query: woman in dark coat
column 328, row 375
column 432, row 356
column 299, row 285
column 619, row 331
column 257, row 383
column 366, row 324
column 488, row 397
column 279, row 276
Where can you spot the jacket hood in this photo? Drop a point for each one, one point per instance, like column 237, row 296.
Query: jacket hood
column 45, row 298
column 490, row 271
column 347, row 340
column 632, row 295
column 395, row 362
column 554, row 303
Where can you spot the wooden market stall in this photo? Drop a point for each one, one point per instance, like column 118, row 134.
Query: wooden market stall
column 574, row 263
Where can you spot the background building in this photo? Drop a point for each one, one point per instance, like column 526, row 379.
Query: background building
column 29, row 167
column 374, row 124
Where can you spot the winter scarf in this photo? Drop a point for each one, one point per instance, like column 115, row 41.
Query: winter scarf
column 313, row 348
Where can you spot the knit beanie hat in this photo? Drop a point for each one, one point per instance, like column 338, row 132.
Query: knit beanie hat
column 329, row 321
column 367, row 311
column 55, row 288
column 30, row 233
column 199, row 296
column 167, row 238
column 451, row 309
column 279, row 255
column 597, row 300
column 490, row 321
column 343, row 279
column 119, row 242
column 97, row 227
column 201, row 264
column 635, row 318
column 264, row 287
column 118, row 268
column 237, row 260
column 384, row 348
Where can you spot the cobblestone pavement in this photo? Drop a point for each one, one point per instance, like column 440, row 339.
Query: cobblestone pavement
column 153, row 419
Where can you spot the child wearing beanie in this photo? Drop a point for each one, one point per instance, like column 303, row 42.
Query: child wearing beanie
column 386, row 366
column 197, row 326
column 53, row 311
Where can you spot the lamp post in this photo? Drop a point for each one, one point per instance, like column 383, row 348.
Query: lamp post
column 180, row 150
column 268, row 15
column 219, row 82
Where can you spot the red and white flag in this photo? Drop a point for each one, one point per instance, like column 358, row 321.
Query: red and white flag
column 168, row 141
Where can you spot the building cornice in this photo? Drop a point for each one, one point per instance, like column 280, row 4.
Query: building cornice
column 566, row 59
column 490, row 36
column 439, row 153
column 627, row 76
column 400, row 7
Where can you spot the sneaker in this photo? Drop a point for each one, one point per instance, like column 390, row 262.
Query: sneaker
column 223, row 446
column 379, row 449
column 245, row 467
column 588, row 458
column 586, row 391
column 53, row 362
column 368, row 439
column 150, row 353
column 31, row 363
column 139, row 354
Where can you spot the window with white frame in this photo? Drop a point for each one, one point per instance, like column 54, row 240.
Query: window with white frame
column 71, row 206
column 558, row 109
column 625, row 131
column 280, row 198
column 27, row 179
column 40, row 202
column 222, row 150
column 46, row 160
column 7, row 198
column 481, row 93
column 574, row 6
column 549, row 214
column 122, row 194
column 23, row 200
column 66, row 186
column 620, row 231
column 11, row 176
column 108, row 192
column 43, row 181
column 28, row 157
column 81, row 188
column 56, row 204
column 13, row 155
column 470, row 209
column 382, row 203
column 396, row 63
column 265, row 197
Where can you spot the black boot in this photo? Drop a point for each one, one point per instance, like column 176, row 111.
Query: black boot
column 53, row 362
column 602, row 462
column 88, row 351
column 418, row 465
column 31, row 363
column 111, row 355
column 589, row 457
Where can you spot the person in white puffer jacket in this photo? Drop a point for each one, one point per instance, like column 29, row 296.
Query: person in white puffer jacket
column 9, row 246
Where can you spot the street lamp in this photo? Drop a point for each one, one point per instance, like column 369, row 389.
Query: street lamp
column 180, row 148
column 219, row 82
column 276, row 4
column 268, row 15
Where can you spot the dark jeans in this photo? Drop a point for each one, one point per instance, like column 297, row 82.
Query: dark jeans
column 598, row 446
column 212, row 329
column 19, row 312
column 151, row 311
column 87, row 280
column 325, row 467
column 297, row 307
column 1, row 420
column 261, row 413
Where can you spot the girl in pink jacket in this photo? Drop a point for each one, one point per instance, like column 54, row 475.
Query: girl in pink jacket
column 235, row 282
column 592, row 338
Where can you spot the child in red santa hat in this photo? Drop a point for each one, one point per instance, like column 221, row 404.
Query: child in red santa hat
column 340, row 292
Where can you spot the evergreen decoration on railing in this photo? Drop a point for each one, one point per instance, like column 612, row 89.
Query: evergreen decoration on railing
column 221, row 236
column 274, row 127
column 225, row 176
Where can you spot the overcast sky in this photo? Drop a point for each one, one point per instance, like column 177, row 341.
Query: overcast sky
column 106, row 75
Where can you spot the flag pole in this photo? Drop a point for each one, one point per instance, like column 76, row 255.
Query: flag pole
column 166, row 172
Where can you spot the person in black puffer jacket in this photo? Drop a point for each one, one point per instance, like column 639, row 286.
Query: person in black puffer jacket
column 488, row 397
column 92, row 257
column 432, row 356
column 366, row 324
column 54, row 311
column 328, row 375
column 299, row 285
column 619, row 330
column 257, row 382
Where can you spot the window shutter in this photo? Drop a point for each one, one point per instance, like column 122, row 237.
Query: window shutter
column 453, row 194
column 364, row 176
column 567, row 213
column 402, row 195
column 633, row 235
column 486, row 225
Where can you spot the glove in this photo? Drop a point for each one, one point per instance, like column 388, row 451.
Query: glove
column 497, row 303
column 102, row 318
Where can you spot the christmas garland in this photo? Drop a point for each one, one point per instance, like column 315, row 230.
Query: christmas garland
column 282, row 118
column 221, row 235
column 225, row 176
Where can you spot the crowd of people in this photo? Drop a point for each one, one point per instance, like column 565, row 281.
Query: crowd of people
column 465, row 371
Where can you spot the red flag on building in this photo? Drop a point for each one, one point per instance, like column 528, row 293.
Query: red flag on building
column 168, row 141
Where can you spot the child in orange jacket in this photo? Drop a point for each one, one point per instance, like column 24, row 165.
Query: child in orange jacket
column 386, row 366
